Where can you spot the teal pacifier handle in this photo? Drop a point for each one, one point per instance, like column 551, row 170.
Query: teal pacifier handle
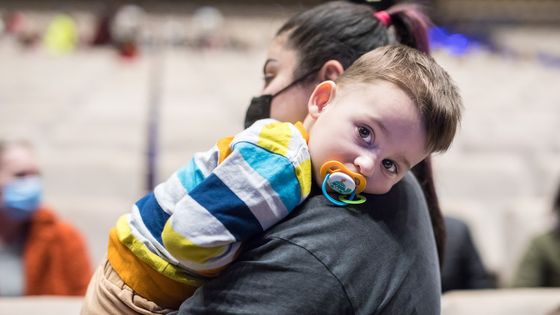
column 326, row 194
column 343, row 201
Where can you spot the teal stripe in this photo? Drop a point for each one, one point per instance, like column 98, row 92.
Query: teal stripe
column 276, row 169
column 190, row 175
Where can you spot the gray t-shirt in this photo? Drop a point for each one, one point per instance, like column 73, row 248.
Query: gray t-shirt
column 378, row 258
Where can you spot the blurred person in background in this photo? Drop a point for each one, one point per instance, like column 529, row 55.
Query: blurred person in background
column 103, row 21
column 540, row 264
column 318, row 261
column 39, row 253
column 61, row 36
column 19, row 27
column 126, row 30
column 2, row 27
column 463, row 268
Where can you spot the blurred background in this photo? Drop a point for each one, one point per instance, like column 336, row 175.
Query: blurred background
column 110, row 119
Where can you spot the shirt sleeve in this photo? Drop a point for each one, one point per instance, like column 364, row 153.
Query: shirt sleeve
column 265, row 175
column 141, row 230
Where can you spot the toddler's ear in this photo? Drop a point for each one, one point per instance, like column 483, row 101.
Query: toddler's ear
column 320, row 98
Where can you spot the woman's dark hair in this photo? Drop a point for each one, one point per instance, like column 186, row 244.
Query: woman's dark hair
column 344, row 31
column 424, row 173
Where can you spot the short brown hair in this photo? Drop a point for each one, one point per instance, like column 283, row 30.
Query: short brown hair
column 426, row 83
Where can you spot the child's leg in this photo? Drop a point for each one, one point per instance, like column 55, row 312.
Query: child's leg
column 108, row 294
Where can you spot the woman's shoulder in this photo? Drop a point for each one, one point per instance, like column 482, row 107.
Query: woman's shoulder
column 402, row 211
column 385, row 249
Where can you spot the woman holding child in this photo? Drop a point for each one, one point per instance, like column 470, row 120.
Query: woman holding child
column 321, row 260
column 389, row 109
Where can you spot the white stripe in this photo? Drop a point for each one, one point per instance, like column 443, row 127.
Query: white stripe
column 254, row 190
column 252, row 133
column 207, row 161
column 142, row 234
column 194, row 222
column 297, row 148
column 169, row 193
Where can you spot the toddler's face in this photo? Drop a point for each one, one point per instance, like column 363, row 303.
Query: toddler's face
column 372, row 128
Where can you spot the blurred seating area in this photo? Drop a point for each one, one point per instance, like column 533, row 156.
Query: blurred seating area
column 87, row 109
column 480, row 302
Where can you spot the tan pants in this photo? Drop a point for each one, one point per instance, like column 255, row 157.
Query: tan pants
column 108, row 294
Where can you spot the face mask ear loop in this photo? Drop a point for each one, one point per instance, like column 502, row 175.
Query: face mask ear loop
column 326, row 194
column 296, row 81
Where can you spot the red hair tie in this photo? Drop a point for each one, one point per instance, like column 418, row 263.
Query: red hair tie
column 383, row 17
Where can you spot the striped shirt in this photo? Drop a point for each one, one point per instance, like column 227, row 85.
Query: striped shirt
column 192, row 225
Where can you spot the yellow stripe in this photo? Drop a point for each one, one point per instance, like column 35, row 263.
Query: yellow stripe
column 185, row 250
column 303, row 174
column 145, row 281
column 302, row 130
column 281, row 135
column 144, row 254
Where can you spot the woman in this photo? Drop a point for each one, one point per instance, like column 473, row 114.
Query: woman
column 322, row 259
column 39, row 253
column 318, row 45
column 540, row 264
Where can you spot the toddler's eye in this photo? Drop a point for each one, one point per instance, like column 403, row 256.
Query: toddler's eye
column 390, row 166
column 366, row 134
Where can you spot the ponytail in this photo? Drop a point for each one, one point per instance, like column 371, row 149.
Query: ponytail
column 411, row 26
column 424, row 173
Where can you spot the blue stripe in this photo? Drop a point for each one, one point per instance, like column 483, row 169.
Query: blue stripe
column 190, row 175
column 277, row 170
column 222, row 203
column 153, row 215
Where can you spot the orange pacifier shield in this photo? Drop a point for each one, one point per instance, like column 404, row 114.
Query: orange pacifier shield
column 346, row 183
column 341, row 179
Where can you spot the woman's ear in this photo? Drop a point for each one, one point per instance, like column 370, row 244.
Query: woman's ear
column 322, row 94
column 330, row 70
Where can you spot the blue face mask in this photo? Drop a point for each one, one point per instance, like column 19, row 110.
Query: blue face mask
column 22, row 197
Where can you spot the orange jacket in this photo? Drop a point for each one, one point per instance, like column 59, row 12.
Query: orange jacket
column 56, row 260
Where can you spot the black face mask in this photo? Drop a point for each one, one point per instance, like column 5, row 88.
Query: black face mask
column 260, row 105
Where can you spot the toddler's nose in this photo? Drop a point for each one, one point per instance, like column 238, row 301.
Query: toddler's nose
column 365, row 165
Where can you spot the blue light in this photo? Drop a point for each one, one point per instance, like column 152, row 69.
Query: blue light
column 455, row 44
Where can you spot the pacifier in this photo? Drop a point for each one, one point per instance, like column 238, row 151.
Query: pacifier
column 344, row 182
